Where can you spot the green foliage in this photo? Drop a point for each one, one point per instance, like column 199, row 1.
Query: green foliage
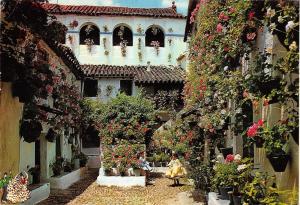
column 225, row 174
column 5, row 180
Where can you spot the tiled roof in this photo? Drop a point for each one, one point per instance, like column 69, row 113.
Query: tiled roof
column 68, row 57
column 157, row 74
column 111, row 11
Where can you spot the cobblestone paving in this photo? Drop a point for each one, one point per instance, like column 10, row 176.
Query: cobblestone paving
column 59, row 197
column 88, row 192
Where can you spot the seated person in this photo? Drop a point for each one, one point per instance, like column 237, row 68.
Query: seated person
column 175, row 169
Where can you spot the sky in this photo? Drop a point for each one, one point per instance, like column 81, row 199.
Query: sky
column 181, row 4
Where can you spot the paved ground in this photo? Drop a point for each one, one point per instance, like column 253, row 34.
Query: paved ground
column 87, row 192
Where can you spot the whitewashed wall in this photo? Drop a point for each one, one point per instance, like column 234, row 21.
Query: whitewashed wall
column 97, row 55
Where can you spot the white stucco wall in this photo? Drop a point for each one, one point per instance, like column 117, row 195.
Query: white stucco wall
column 27, row 155
column 115, row 58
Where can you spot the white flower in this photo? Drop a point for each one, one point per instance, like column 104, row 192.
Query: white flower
column 223, row 112
column 237, row 157
column 220, row 158
column 222, row 122
column 280, row 19
column 225, row 68
column 270, row 12
column 239, row 110
column 247, row 76
column 222, row 101
column 266, row 70
column 241, row 167
column 215, row 167
column 289, row 26
column 272, row 26
column 293, row 46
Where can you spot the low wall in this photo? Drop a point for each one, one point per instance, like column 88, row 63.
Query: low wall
column 39, row 194
column 67, row 179
column 121, row 181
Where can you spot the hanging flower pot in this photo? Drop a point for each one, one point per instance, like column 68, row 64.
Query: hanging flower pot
column 51, row 135
column 279, row 161
column 226, row 151
column 24, row 90
column 30, row 130
column 266, row 87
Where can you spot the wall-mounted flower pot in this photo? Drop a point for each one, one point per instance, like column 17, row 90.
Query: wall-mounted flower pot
column 226, row 151
column 30, row 130
column 259, row 142
column 24, row 90
column 237, row 199
column 51, row 135
column 224, row 192
column 279, row 161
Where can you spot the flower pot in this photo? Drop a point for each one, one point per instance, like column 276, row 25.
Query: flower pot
column 56, row 172
column 259, row 142
column 237, row 200
column 36, row 178
column 30, row 130
column 24, row 90
column 107, row 172
column 226, row 151
column 224, row 192
column 137, row 172
column 115, row 171
column 266, row 87
column 51, row 135
column 230, row 194
column 279, row 161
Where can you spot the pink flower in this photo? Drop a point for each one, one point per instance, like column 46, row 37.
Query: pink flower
column 229, row 158
column 260, row 123
column 251, row 15
column 49, row 89
column 223, row 17
column 252, row 131
column 231, row 10
column 251, row 36
column 226, row 49
column 219, row 28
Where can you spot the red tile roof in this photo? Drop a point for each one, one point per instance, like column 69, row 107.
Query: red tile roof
column 111, row 11
column 157, row 74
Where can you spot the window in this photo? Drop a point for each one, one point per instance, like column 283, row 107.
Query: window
column 122, row 33
column 90, row 88
column 89, row 34
column 155, row 34
column 126, row 87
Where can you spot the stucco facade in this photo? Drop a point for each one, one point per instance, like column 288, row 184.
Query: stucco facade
column 172, row 29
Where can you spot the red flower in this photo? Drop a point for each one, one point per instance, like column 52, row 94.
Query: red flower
column 251, row 15
column 251, row 36
column 260, row 123
column 252, row 131
column 266, row 102
column 226, row 49
column 223, row 17
column 219, row 28
column 229, row 158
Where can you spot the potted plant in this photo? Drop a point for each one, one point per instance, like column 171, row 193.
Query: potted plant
column 136, row 169
column 82, row 159
column 57, row 166
column 68, row 166
column 24, row 90
column 30, row 130
column 35, row 173
column 51, row 135
column 254, row 133
column 276, row 142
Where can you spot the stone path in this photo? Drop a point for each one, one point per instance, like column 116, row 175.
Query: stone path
column 88, row 192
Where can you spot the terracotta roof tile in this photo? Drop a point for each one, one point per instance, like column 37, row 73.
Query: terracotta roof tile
column 111, row 11
column 157, row 74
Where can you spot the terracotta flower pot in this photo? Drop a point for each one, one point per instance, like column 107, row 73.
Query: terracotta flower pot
column 279, row 161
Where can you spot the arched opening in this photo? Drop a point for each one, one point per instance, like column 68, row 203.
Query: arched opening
column 155, row 34
column 89, row 34
column 122, row 33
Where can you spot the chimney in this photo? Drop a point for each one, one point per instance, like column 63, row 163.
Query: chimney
column 148, row 66
column 174, row 6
